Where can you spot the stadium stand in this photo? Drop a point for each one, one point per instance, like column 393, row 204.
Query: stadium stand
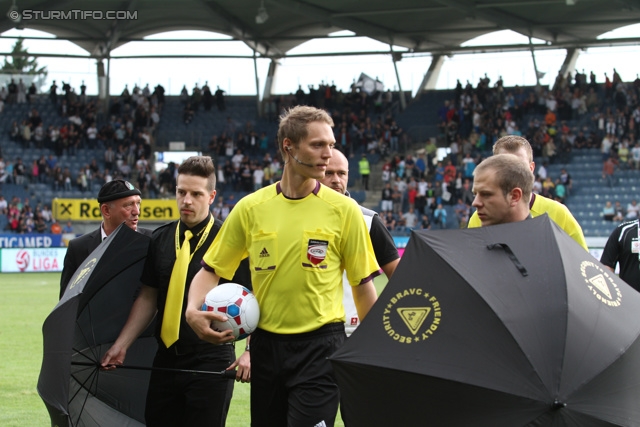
column 460, row 121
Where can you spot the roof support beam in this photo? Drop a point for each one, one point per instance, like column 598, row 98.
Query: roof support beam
column 431, row 76
column 270, row 80
column 569, row 64
column 240, row 32
column 504, row 20
column 103, row 78
column 112, row 36
column 582, row 44
column 357, row 26
column 535, row 65
column 387, row 12
column 255, row 70
column 395, row 57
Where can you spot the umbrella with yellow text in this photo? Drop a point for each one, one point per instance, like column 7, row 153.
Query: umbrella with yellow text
column 508, row 325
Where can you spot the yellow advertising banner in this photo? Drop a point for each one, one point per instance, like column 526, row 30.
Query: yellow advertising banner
column 161, row 210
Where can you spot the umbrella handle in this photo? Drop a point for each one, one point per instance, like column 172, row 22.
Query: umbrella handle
column 511, row 255
column 228, row 374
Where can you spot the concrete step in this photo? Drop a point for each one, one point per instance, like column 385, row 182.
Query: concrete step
column 373, row 199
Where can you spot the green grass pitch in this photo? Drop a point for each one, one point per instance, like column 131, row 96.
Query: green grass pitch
column 27, row 299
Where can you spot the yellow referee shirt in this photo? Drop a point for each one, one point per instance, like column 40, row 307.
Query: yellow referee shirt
column 297, row 249
column 558, row 212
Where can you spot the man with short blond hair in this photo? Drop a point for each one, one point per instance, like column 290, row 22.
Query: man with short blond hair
column 299, row 236
column 538, row 205
column 502, row 187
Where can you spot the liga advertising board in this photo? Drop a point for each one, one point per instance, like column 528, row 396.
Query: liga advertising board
column 157, row 210
column 32, row 260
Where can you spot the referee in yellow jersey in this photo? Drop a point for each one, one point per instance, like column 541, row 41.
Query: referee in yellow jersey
column 299, row 237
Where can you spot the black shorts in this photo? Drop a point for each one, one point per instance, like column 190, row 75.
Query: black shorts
column 292, row 381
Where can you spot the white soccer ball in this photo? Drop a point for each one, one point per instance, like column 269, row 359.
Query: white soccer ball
column 238, row 304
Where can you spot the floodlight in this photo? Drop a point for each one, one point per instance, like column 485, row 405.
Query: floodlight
column 262, row 15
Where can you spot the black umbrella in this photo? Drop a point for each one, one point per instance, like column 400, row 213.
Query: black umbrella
column 83, row 325
column 509, row 325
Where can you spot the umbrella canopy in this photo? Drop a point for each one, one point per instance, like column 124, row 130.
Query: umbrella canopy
column 80, row 329
column 509, row 325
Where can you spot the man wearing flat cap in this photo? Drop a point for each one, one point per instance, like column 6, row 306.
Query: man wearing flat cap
column 119, row 202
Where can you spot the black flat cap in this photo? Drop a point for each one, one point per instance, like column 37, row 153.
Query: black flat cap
column 117, row 189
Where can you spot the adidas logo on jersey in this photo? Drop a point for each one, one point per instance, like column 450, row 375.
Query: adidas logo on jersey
column 321, row 424
column 264, row 253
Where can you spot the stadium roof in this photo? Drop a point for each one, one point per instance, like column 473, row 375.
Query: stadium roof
column 274, row 27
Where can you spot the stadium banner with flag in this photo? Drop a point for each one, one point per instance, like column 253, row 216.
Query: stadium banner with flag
column 30, row 240
column 161, row 210
column 32, row 260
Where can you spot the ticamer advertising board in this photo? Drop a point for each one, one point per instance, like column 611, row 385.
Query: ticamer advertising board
column 160, row 210
column 32, row 260
column 12, row 240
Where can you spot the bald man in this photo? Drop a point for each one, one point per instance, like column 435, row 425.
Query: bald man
column 336, row 176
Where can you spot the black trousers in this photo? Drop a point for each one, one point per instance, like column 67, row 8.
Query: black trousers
column 292, row 381
column 190, row 400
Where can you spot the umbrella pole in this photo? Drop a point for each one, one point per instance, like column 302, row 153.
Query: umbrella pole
column 230, row 374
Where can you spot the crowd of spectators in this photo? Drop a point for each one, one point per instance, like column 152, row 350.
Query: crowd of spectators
column 330, row 98
column 416, row 191
column 618, row 213
column 571, row 115
column 24, row 218
column 249, row 158
column 16, row 93
column 363, row 120
column 125, row 136
column 125, row 141
column 200, row 96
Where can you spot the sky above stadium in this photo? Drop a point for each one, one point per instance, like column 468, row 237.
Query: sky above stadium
column 237, row 76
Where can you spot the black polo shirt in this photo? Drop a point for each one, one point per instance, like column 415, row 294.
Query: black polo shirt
column 623, row 248
column 159, row 265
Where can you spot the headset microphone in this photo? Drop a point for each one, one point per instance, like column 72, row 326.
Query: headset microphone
column 298, row 161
